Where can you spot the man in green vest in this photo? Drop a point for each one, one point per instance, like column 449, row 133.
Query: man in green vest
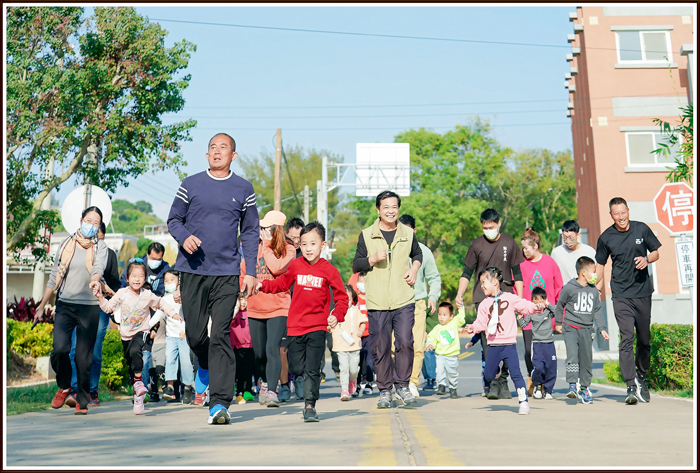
column 389, row 254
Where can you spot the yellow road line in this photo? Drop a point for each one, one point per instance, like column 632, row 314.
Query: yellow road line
column 379, row 449
column 465, row 355
column 435, row 453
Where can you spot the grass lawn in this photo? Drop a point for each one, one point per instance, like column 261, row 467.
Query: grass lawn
column 678, row 393
column 38, row 397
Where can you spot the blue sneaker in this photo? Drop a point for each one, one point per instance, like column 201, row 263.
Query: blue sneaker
column 219, row 415
column 201, row 381
column 571, row 394
column 585, row 395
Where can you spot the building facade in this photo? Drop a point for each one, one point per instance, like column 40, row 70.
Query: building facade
column 629, row 65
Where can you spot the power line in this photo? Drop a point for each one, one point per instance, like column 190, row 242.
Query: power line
column 380, row 128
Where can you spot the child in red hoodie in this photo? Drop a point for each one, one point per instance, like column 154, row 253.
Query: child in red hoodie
column 308, row 317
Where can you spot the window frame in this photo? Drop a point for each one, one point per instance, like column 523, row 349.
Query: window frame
column 669, row 48
column 655, row 146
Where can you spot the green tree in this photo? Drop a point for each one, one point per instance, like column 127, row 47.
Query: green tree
column 130, row 218
column 88, row 93
column 682, row 133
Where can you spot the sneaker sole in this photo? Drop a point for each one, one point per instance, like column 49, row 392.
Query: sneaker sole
column 220, row 418
column 571, row 395
column 631, row 400
column 168, row 397
column 312, row 419
column 383, row 405
column 640, row 398
column 70, row 403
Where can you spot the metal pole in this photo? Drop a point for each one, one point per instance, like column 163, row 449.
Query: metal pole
column 324, row 187
column 306, row 204
column 278, row 164
column 39, row 285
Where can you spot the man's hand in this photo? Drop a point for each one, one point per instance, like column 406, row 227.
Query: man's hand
column 411, row 277
column 605, row 335
column 176, row 296
column 380, row 255
column 332, row 321
column 459, row 300
column 432, row 306
column 557, row 328
column 469, row 328
column 251, row 285
column 640, row 262
column 192, row 244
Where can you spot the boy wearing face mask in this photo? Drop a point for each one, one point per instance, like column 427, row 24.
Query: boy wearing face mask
column 155, row 268
column 580, row 298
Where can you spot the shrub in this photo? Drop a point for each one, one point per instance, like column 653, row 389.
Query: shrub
column 114, row 372
column 671, row 365
column 25, row 341
column 24, row 310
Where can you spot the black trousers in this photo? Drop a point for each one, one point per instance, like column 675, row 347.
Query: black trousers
column 266, row 335
column 381, row 324
column 85, row 319
column 305, row 354
column 633, row 314
column 485, row 348
column 245, row 361
column 335, row 361
column 215, row 296
column 527, row 340
column 133, row 354
column 366, row 361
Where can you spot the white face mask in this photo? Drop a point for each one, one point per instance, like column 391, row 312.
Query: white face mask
column 170, row 288
column 361, row 287
column 154, row 263
column 491, row 234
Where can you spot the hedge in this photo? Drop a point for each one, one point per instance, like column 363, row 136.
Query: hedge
column 39, row 342
column 671, row 365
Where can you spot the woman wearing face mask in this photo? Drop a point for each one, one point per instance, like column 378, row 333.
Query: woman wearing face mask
column 267, row 313
column 538, row 270
column 78, row 268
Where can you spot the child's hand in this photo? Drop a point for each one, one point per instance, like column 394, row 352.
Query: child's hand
column 332, row 321
column 178, row 318
column 182, row 335
column 468, row 345
column 605, row 335
column 557, row 328
column 541, row 306
column 258, row 286
column 153, row 335
column 430, row 347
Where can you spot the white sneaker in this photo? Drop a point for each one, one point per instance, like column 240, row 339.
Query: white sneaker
column 538, row 393
column 548, row 396
column 414, row 389
column 524, row 408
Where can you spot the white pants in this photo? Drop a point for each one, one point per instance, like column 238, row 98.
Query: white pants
column 349, row 362
column 446, row 367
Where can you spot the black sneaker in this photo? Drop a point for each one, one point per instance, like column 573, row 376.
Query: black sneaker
column 155, row 397
column 187, row 397
column 310, row 414
column 168, row 393
column 631, row 395
column 642, row 389
column 494, row 391
column 441, row 391
column 453, row 394
column 505, row 390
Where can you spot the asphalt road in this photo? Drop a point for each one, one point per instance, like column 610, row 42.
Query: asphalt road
column 470, row 431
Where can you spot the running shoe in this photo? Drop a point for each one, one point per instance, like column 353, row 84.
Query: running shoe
column 272, row 400
column 642, row 389
column 352, row 387
column 345, row 395
column 169, row 393
column 505, row 390
column 367, row 390
column 201, row 381
column 485, row 392
column 140, row 389
column 310, row 414
column 285, row 393
column 299, row 387
column 538, row 392
column 453, row 394
column 585, row 395
column 187, row 396
column 494, row 390
column 405, row 396
column 441, row 390
column 429, row 385
column 384, row 401
column 323, row 377
column 571, row 394
column 206, row 397
column 248, row 396
column 80, row 410
column 548, row 396
column 138, row 404
column 199, row 399
column 414, row 389
column 337, row 377
column 94, row 400
column 263, row 392
column 631, row 395
column 240, row 399
column 71, row 401
column 219, row 415
column 524, row 408
column 59, row 399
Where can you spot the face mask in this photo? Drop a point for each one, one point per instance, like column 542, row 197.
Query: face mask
column 491, row 234
column 361, row 287
column 593, row 279
column 170, row 288
column 154, row 263
column 88, row 230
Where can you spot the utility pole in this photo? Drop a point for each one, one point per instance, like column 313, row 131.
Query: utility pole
column 306, row 204
column 278, row 164
column 39, row 270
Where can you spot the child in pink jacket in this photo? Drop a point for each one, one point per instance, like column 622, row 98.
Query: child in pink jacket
column 496, row 315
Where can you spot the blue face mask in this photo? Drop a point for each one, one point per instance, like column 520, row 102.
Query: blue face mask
column 88, row 230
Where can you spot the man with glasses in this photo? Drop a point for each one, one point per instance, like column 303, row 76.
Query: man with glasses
column 566, row 254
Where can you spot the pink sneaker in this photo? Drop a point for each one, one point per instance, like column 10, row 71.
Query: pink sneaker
column 138, row 404
column 263, row 393
column 272, row 400
column 345, row 395
column 524, row 408
column 140, row 389
column 352, row 386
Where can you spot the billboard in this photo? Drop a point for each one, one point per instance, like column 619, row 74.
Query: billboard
column 382, row 166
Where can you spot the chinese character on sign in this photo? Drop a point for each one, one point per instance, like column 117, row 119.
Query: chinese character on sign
column 678, row 205
column 674, row 207
column 686, row 262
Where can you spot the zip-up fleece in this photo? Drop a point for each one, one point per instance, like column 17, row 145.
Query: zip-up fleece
column 507, row 330
column 386, row 287
column 582, row 305
column 541, row 324
column 445, row 338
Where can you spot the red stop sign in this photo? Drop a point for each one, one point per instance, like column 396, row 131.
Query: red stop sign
column 674, row 206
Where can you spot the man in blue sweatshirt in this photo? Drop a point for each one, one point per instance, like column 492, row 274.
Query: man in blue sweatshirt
column 209, row 210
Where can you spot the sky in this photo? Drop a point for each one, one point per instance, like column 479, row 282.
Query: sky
column 330, row 92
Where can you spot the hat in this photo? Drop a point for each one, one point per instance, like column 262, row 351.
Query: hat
column 273, row 217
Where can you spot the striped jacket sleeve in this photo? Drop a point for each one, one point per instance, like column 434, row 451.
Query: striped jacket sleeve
column 178, row 214
column 250, row 231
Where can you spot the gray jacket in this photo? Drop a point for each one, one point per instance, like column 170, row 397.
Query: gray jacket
column 74, row 287
column 541, row 324
column 582, row 305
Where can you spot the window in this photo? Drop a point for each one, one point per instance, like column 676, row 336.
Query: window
column 643, row 46
column 640, row 147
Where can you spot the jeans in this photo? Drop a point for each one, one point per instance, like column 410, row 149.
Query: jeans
column 147, row 358
column 349, row 362
column 96, row 367
column 176, row 349
column 429, row 365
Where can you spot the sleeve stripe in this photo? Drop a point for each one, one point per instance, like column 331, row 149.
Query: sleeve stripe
column 182, row 194
column 183, row 189
column 178, row 196
column 252, row 197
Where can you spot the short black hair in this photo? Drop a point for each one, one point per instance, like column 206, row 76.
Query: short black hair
column 493, row 272
column 539, row 292
column 570, row 226
column 103, row 228
column 92, row 209
column 361, row 273
column 387, row 195
column 617, row 201
column 408, row 220
column 449, row 306
column 490, row 215
column 158, row 247
column 315, row 225
column 233, row 142
column 132, row 265
column 353, row 294
column 294, row 223
column 583, row 262
column 174, row 272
